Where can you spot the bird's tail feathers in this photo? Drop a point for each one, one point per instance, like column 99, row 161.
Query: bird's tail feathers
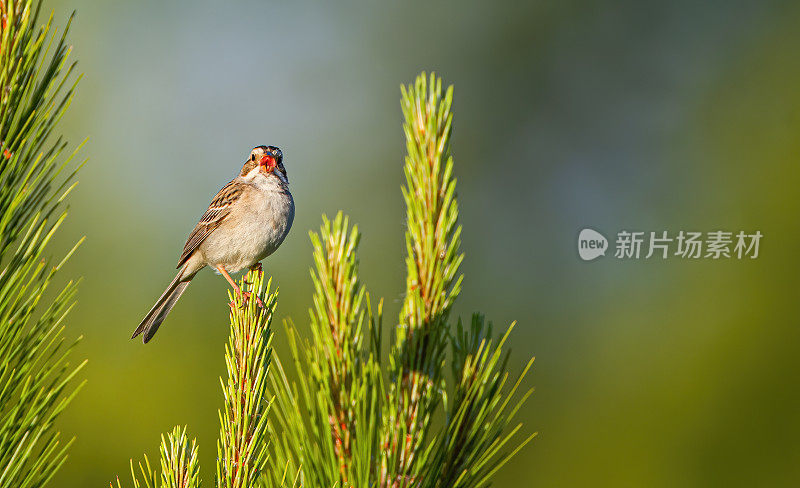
column 163, row 305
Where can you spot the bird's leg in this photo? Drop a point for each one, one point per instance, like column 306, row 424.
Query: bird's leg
column 244, row 295
column 224, row 273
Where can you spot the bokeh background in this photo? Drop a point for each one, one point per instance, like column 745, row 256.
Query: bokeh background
column 639, row 115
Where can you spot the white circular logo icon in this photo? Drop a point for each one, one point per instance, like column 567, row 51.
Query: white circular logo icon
column 591, row 244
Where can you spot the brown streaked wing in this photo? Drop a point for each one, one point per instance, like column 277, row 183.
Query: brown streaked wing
column 219, row 209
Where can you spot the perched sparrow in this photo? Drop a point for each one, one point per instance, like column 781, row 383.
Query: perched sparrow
column 245, row 223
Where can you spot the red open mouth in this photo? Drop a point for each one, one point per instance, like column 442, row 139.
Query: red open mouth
column 268, row 162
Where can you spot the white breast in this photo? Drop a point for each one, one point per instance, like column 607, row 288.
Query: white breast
column 255, row 228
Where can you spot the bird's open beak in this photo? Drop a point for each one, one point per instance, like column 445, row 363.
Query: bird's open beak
column 267, row 161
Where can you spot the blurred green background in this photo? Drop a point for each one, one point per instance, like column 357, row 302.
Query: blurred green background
column 640, row 116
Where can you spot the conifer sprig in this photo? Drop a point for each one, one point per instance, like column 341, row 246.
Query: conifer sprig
column 328, row 419
column 336, row 322
column 432, row 236
column 242, row 446
column 243, row 438
column 179, row 465
column 432, row 282
column 37, row 379
column 471, row 448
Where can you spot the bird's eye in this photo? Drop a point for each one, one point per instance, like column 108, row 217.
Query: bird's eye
column 253, row 157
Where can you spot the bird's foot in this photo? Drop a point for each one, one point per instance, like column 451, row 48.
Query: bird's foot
column 246, row 297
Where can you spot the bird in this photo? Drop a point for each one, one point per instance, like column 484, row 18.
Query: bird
column 246, row 221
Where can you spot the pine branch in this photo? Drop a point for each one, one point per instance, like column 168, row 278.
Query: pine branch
column 469, row 451
column 242, row 445
column 243, row 442
column 37, row 381
column 336, row 322
column 432, row 263
column 329, row 419
column 179, row 464
column 432, row 236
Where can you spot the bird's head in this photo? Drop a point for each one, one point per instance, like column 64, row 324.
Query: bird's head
column 268, row 159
